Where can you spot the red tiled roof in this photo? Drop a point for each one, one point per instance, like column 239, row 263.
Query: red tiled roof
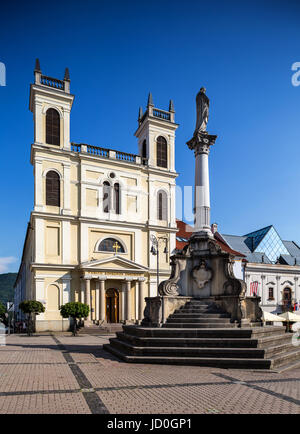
column 185, row 231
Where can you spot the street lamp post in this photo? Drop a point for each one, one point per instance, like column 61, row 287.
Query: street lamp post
column 155, row 251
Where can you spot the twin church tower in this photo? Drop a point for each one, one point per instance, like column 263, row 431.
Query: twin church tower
column 96, row 212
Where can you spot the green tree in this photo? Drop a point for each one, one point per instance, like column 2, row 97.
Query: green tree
column 30, row 308
column 75, row 310
column 2, row 312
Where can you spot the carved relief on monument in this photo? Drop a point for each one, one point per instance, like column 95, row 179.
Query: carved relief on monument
column 201, row 274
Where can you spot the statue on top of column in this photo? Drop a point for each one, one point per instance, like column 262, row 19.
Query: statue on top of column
column 202, row 104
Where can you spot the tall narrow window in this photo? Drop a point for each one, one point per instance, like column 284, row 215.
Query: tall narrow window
column 52, row 188
column 117, row 198
column 144, row 151
column 161, row 152
column 162, row 210
column 52, row 127
column 106, row 196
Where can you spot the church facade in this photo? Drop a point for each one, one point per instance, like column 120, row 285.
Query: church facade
column 99, row 214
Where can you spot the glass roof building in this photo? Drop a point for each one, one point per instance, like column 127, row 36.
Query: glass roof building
column 266, row 241
column 265, row 246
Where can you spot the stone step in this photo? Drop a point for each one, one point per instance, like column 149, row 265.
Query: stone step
column 199, row 325
column 188, row 332
column 275, row 350
column 198, row 311
column 288, row 366
column 270, row 341
column 282, row 359
column 188, row 351
column 186, row 342
column 189, row 361
column 198, row 320
column 199, row 315
column 265, row 331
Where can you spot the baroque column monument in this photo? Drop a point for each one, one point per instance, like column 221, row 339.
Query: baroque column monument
column 202, row 270
column 202, row 315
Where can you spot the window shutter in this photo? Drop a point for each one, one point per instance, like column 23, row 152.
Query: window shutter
column 161, row 152
column 52, row 189
column 52, row 127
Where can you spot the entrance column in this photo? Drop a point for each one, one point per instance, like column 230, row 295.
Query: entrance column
column 141, row 297
column 102, row 298
column 82, row 288
column 123, row 302
column 97, row 305
column 88, row 295
column 128, row 301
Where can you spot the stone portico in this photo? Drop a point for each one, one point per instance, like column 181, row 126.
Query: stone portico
column 113, row 293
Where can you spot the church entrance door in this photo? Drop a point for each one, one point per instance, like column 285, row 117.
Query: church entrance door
column 112, row 305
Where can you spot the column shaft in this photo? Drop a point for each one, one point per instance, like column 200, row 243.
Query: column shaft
column 97, row 305
column 88, row 297
column 141, row 299
column 102, row 300
column 128, row 301
column 201, row 198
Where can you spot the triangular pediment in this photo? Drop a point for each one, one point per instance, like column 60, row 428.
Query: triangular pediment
column 114, row 262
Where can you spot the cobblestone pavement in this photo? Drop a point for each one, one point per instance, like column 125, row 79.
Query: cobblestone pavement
column 63, row 374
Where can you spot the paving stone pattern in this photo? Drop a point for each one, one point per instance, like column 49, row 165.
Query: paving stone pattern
column 63, row 374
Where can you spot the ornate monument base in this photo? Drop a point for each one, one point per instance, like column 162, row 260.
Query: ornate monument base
column 204, row 271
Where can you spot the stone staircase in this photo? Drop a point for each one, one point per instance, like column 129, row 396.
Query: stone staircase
column 200, row 334
column 93, row 329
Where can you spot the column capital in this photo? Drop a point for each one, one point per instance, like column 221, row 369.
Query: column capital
column 278, row 277
column 128, row 279
column 141, row 279
column 87, row 277
column 102, row 278
column 263, row 276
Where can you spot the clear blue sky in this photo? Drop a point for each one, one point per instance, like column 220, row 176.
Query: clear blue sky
column 117, row 51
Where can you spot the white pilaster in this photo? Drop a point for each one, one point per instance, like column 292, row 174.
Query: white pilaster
column 66, row 242
column 66, row 290
column 39, row 241
column 67, row 185
column 66, row 129
column 40, row 294
column 38, row 185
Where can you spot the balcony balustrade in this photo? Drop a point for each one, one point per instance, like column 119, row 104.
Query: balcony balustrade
column 52, row 82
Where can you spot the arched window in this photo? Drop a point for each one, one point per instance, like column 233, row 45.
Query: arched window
column 111, row 245
column 52, row 188
column 106, row 196
column 162, row 205
column 52, row 127
column 117, row 197
column 161, row 152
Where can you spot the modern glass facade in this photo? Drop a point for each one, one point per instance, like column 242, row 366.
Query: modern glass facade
column 266, row 241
